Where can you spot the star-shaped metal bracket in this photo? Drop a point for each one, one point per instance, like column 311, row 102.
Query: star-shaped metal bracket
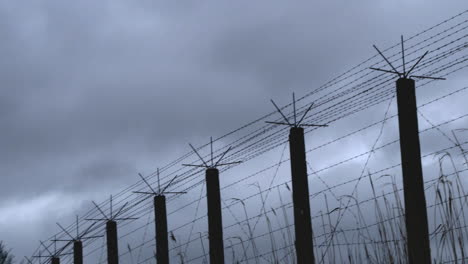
column 112, row 217
column 296, row 123
column 160, row 191
column 55, row 254
column 405, row 74
column 79, row 236
column 211, row 164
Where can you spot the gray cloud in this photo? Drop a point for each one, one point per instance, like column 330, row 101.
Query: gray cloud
column 94, row 91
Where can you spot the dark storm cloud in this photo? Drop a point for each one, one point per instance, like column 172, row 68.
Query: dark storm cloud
column 92, row 91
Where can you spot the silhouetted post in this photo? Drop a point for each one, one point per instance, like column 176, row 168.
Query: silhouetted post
column 77, row 244
column 53, row 257
column 162, row 245
column 300, row 192
column 300, row 184
column 77, row 252
column 213, row 197
column 160, row 216
column 111, row 231
column 112, row 242
column 413, row 183
column 419, row 249
column 55, row 260
column 215, row 221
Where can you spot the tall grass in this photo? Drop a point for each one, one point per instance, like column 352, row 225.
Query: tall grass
column 376, row 233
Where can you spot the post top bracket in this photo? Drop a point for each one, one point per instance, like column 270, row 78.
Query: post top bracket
column 211, row 164
column 159, row 192
column 296, row 123
column 404, row 74
column 113, row 216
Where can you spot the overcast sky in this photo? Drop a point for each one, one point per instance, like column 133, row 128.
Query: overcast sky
column 93, row 92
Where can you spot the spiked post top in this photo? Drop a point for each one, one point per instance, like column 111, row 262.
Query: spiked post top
column 211, row 164
column 404, row 74
column 296, row 123
column 159, row 192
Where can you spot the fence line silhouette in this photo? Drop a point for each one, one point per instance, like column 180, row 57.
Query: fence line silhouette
column 342, row 102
